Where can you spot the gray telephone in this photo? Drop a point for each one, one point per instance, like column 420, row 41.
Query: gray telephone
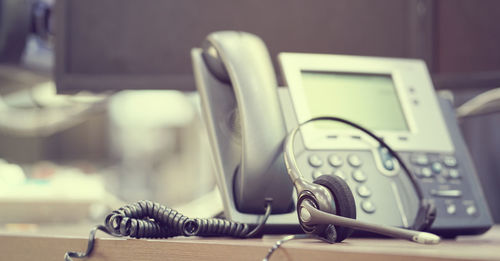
column 248, row 116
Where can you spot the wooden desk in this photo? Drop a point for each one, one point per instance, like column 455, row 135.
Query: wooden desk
column 51, row 243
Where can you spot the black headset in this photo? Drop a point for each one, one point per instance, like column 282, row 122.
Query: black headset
column 327, row 208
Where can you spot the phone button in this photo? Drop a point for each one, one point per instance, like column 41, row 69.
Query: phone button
column 359, row 176
column 335, row 160
column 316, row 174
column 453, row 174
column 450, row 161
column 368, row 206
column 364, row 191
column 354, row 160
column 339, row 173
column 451, row 209
column 420, row 159
column 437, row 167
column 315, row 161
column 386, row 158
column 449, row 193
column 426, row 172
column 471, row 210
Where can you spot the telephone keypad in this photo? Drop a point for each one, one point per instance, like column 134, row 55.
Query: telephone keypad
column 337, row 167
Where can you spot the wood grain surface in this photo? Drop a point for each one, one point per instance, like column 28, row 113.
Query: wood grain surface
column 50, row 243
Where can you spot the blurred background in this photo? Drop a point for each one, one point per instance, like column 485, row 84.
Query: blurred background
column 98, row 103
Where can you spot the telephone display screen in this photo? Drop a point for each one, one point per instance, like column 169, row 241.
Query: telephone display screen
column 370, row 100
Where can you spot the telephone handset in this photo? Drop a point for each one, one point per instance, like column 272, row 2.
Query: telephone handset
column 248, row 121
column 248, row 118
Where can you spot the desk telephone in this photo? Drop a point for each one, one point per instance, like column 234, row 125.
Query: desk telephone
column 248, row 117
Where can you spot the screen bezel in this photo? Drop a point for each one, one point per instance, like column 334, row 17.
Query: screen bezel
column 427, row 130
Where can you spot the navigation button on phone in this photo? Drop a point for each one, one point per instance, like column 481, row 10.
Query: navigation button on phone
column 386, row 157
column 437, row 167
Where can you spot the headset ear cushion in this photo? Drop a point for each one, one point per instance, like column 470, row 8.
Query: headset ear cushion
column 344, row 201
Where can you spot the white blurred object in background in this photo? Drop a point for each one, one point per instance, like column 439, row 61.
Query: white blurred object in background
column 161, row 146
column 50, row 193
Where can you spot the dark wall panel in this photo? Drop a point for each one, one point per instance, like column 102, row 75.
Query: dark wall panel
column 156, row 36
column 153, row 38
column 467, row 36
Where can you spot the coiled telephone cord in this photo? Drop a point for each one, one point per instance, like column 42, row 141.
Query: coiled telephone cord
column 146, row 219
